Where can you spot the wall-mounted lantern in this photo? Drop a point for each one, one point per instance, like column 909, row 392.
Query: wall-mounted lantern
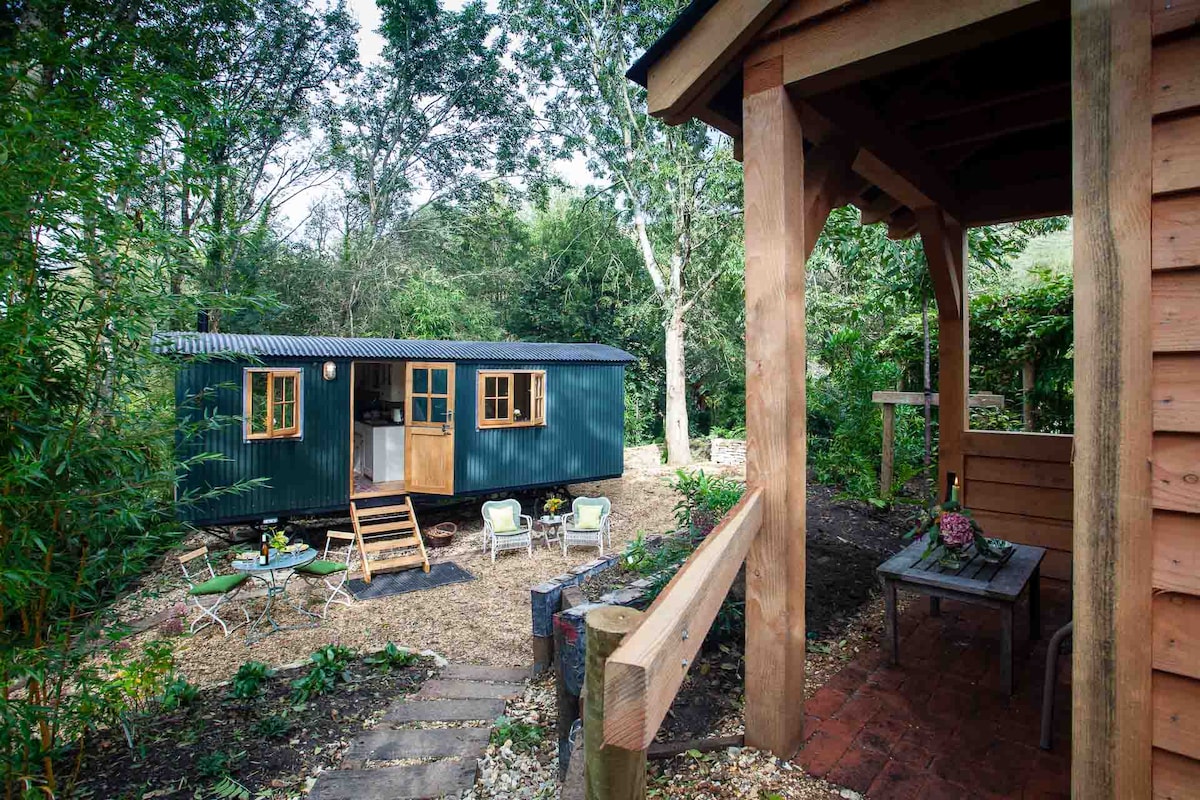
column 329, row 370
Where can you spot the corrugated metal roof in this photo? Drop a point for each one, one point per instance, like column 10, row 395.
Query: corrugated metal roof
column 272, row 346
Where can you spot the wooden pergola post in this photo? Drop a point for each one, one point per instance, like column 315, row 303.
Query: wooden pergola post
column 775, row 222
column 1111, row 680
column 945, row 244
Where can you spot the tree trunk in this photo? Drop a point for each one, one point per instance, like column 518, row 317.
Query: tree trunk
column 678, row 447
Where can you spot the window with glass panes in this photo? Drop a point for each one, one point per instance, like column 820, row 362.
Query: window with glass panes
column 430, row 395
column 512, row 398
column 273, row 403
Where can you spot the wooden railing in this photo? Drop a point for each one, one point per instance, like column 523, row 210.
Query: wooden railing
column 644, row 673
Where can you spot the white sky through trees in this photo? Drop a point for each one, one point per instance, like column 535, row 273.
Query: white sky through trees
column 370, row 46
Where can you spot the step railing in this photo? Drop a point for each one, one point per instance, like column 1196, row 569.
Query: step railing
column 643, row 675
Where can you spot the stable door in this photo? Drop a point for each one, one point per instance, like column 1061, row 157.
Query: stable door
column 429, row 428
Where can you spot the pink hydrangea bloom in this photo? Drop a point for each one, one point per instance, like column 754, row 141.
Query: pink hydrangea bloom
column 956, row 530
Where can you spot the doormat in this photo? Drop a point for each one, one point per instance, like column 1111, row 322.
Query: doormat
column 410, row 580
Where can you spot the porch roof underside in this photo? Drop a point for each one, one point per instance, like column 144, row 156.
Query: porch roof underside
column 976, row 119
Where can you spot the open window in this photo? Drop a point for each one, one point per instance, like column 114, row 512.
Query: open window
column 273, row 403
column 512, row 399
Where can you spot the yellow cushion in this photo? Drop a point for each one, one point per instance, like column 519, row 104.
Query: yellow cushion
column 588, row 518
column 502, row 519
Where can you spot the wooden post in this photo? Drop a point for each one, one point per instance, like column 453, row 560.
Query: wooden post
column 887, row 468
column 945, row 247
column 775, row 423
column 1027, row 377
column 1111, row 103
column 610, row 773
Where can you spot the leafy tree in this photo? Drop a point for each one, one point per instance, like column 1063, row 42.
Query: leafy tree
column 678, row 188
column 87, row 469
column 242, row 142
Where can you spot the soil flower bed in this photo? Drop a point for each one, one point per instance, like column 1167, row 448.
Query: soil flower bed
column 269, row 746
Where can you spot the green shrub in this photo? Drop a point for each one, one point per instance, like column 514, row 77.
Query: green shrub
column 218, row 763
column 523, row 735
column 704, row 500
column 273, row 726
column 392, row 657
column 330, row 665
column 249, row 680
column 179, row 693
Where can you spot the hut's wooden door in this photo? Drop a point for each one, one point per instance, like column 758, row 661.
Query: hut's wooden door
column 429, row 431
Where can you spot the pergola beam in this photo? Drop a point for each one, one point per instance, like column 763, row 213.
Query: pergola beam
column 944, row 252
column 676, row 80
column 869, row 39
column 995, row 121
column 890, row 161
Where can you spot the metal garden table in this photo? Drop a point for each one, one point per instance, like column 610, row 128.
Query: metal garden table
column 979, row 582
column 550, row 527
column 276, row 587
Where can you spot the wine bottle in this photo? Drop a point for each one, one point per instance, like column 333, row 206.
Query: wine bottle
column 264, row 550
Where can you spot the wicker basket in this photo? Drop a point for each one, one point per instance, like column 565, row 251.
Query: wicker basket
column 440, row 535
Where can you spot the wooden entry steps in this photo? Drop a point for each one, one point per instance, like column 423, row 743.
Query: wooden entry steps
column 386, row 528
column 464, row 694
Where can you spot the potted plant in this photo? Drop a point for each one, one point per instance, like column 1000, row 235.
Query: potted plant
column 552, row 506
column 951, row 532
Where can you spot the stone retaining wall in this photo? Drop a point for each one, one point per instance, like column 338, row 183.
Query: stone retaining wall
column 730, row 452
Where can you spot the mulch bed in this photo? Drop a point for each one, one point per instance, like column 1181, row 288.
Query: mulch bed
column 846, row 542
column 176, row 753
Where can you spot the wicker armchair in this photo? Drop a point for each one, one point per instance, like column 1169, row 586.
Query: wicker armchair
column 520, row 539
column 588, row 537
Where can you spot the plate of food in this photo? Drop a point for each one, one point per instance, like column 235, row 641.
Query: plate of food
column 249, row 555
column 298, row 547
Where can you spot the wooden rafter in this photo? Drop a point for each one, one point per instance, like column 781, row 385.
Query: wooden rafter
column 827, row 181
column 869, row 39
column 677, row 79
column 1046, row 108
column 943, row 251
column 890, row 161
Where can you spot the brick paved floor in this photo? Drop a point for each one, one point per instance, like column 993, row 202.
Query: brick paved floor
column 937, row 726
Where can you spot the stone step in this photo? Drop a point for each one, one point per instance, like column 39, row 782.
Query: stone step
column 416, row 782
column 384, row 744
column 462, row 690
column 477, row 710
column 470, row 672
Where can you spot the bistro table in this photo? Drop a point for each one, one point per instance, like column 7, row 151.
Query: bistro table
column 276, row 587
column 550, row 527
column 978, row 581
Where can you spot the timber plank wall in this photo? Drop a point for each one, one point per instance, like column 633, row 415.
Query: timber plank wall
column 1175, row 336
column 1019, row 486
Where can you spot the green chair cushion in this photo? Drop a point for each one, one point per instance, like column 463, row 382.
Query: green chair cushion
column 221, row 584
column 502, row 520
column 322, row 568
column 588, row 518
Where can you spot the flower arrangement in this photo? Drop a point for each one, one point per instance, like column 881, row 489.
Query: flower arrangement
column 950, row 531
column 279, row 540
column 554, row 505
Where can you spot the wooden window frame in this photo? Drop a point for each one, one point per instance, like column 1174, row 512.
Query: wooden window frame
column 429, row 395
column 537, row 398
column 294, row 431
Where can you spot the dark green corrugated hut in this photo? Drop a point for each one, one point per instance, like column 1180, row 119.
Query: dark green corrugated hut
column 581, row 439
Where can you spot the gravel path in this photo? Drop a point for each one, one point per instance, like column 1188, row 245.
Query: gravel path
column 485, row 621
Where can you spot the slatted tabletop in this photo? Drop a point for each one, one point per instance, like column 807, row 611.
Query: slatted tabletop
column 1002, row 581
column 978, row 581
